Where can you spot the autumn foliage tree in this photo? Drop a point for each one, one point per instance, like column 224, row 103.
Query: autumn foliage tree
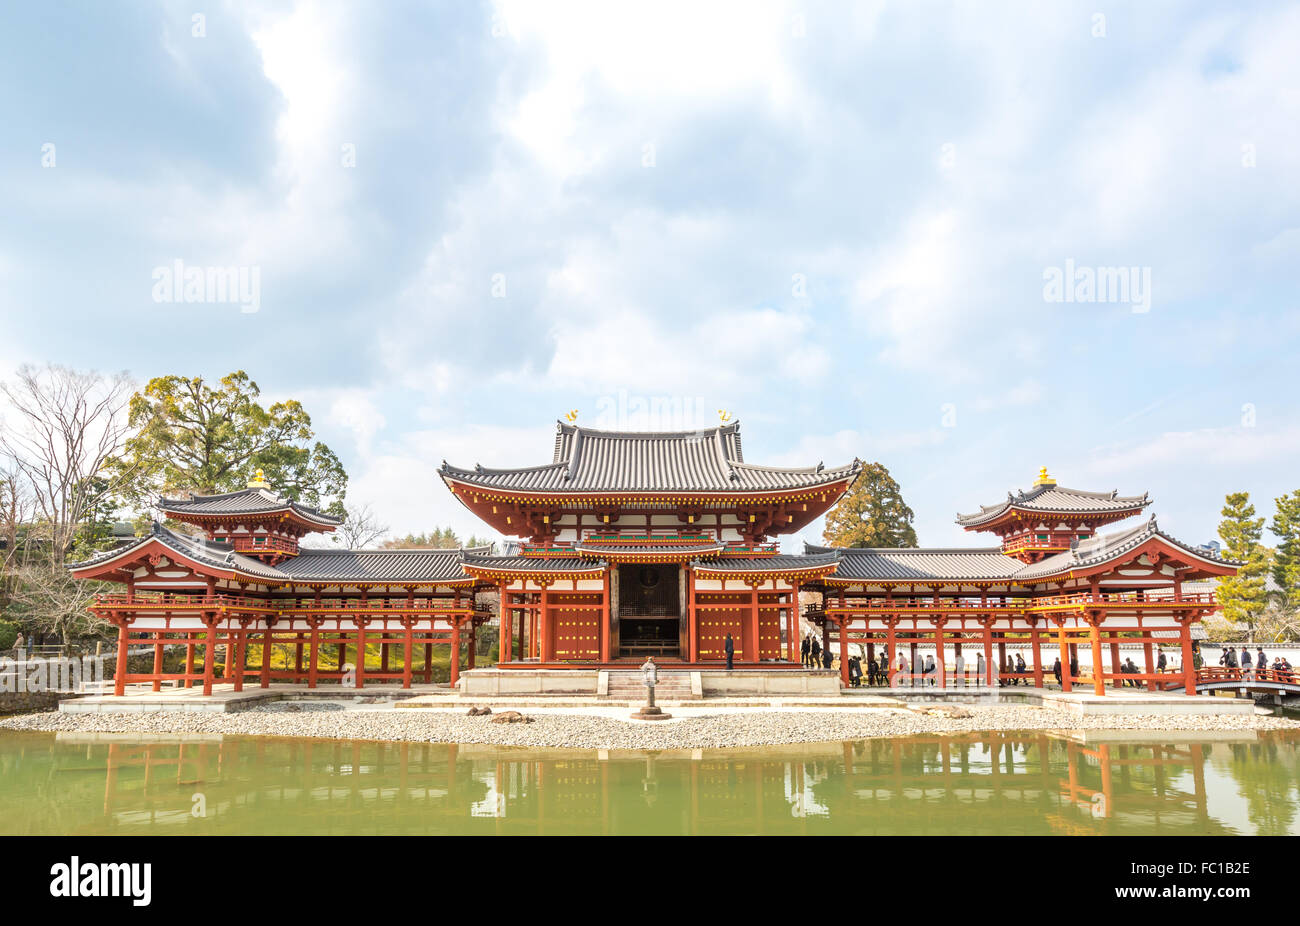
column 871, row 514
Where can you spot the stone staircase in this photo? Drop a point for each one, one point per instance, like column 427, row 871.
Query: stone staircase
column 629, row 686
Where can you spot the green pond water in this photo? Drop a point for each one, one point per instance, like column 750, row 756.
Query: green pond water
column 984, row 783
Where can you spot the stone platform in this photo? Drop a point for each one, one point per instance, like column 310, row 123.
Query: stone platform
column 1117, row 702
column 702, row 683
column 141, row 699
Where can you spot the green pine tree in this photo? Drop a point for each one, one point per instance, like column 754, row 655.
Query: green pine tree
column 871, row 514
column 1242, row 596
column 1286, row 558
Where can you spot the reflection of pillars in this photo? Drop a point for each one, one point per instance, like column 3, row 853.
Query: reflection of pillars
column 1067, row 683
column 1072, row 759
column 1107, row 792
column 695, row 797
column 604, row 798
column 945, row 756
column 1045, row 767
column 1198, row 781
column 1037, row 649
column 848, row 759
column 1158, row 754
column 110, row 777
column 758, row 797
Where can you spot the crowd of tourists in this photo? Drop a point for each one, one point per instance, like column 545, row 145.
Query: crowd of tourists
column 1250, row 665
column 873, row 670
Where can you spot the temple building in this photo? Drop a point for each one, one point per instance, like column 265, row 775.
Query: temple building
column 662, row 544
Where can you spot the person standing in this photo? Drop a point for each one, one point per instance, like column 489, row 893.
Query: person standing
column 1056, row 670
column 729, row 647
column 1161, row 662
column 803, row 652
column 815, row 651
column 981, row 669
column 930, row 669
column 1246, row 665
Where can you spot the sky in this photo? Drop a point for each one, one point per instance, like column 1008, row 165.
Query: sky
column 963, row 240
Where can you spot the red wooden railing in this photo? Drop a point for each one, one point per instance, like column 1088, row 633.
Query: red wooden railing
column 263, row 545
column 150, row 601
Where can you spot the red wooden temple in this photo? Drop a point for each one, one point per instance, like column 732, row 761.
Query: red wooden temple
column 636, row 544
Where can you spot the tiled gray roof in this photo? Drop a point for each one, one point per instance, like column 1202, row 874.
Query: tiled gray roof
column 1056, row 499
column 682, row 549
column 533, row 563
column 709, row 460
column 920, row 564
column 245, row 501
column 781, row 562
column 956, row 564
column 218, row 555
column 1105, row 547
column 395, row 566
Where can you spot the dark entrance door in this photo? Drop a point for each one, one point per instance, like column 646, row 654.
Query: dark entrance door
column 649, row 610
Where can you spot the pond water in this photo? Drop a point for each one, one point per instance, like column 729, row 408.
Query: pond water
column 981, row 783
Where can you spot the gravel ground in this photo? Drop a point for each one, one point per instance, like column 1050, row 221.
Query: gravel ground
column 750, row 728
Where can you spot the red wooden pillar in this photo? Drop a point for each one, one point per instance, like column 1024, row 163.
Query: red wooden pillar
column 266, row 656
column 297, row 658
column 313, row 655
column 941, row 673
column 752, row 648
column 1150, row 664
column 189, row 659
column 472, row 644
column 241, row 656
column 119, row 677
column 1118, row 681
column 607, row 619
column 1067, row 683
column 988, row 655
column 891, row 648
column 455, row 650
column 406, row 654
column 361, row 651
column 428, row 663
column 844, row 651
column 157, row 660
column 505, row 648
column 545, row 631
column 1189, row 670
column 1098, row 679
column 209, row 656
column 1038, row 655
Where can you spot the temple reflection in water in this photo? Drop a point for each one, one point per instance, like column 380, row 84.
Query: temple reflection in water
column 1011, row 783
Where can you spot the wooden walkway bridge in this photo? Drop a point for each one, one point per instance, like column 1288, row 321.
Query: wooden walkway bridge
column 1267, row 681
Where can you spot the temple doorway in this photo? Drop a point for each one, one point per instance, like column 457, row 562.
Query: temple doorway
column 649, row 610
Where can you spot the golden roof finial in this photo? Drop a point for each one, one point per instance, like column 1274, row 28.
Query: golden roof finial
column 571, row 416
column 724, row 415
column 258, row 481
column 1044, row 479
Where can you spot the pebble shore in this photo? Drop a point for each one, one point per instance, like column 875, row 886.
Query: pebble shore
column 585, row 731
